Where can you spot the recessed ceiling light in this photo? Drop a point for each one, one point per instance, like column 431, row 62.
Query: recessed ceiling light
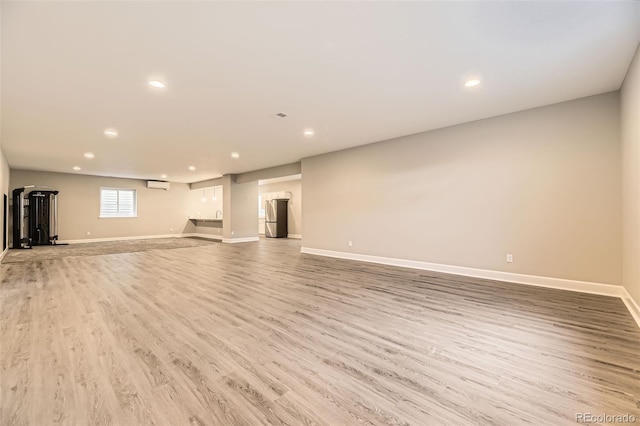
column 111, row 133
column 157, row 84
column 472, row 82
column 235, row 155
column 76, row 168
column 308, row 132
column 163, row 176
column 192, row 168
column 89, row 155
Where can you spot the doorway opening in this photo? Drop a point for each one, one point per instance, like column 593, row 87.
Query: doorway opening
column 282, row 188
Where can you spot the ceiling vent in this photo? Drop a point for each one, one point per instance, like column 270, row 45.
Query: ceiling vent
column 158, row 184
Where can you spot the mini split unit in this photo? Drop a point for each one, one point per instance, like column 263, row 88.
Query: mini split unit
column 158, row 184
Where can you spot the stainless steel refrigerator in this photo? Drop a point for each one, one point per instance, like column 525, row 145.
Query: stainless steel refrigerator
column 275, row 225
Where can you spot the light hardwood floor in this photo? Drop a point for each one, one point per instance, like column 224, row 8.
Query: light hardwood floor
column 257, row 333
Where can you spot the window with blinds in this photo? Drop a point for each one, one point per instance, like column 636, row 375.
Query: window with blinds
column 117, row 202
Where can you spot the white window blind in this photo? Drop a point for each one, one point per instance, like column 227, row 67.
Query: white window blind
column 117, row 202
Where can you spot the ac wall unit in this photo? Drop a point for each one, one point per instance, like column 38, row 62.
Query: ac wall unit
column 158, row 184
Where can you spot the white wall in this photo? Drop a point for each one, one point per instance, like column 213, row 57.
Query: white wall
column 630, row 123
column 159, row 212
column 4, row 175
column 294, row 206
column 542, row 184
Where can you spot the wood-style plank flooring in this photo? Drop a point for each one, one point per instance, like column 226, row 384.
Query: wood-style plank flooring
column 257, row 333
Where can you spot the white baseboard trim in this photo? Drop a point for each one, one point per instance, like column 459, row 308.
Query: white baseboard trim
column 631, row 305
column 137, row 237
column 559, row 283
column 556, row 283
column 240, row 240
column 4, row 253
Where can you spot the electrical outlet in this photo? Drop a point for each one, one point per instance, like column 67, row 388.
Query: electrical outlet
column 170, row 229
column 88, row 232
column 350, row 243
column 231, row 232
column 509, row 258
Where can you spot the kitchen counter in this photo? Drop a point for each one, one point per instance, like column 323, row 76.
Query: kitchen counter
column 206, row 222
column 204, row 219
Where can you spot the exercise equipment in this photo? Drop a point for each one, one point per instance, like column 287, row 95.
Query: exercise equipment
column 35, row 216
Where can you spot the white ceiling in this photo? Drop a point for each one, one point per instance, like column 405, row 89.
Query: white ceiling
column 354, row 72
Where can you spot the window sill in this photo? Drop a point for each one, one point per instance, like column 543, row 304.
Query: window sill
column 116, row 217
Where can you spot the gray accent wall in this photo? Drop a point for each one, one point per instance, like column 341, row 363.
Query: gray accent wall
column 542, row 184
column 630, row 123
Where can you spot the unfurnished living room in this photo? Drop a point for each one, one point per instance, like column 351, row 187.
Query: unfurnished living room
column 320, row 213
